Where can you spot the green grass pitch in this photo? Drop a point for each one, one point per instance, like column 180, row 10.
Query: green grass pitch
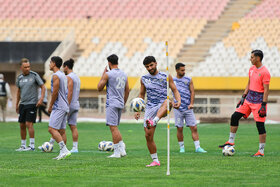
column 91, row 167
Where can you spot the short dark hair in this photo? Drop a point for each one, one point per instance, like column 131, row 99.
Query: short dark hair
column 258, row 53
column 148, row 59
column 178, row 65
column 57, row 60
column 113, row 59
column 23, row 60
column 69, row 63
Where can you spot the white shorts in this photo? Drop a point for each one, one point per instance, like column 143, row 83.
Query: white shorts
column 186, row 117
column 58, row 119
column 113, row 116
column 72, row 117
column 151, row 113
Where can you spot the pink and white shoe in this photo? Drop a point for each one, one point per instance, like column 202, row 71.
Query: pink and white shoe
column 154, row 163
column 150, row 123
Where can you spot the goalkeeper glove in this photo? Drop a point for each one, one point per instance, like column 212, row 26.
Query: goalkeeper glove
column 262, row 111
column 241, row 101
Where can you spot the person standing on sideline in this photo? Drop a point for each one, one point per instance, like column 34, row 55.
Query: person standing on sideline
column 59, row 107
column 185, row 113
column 254, row 99
column 74, row 84
column 27, row 102
column 5, row 94
column 43, row 107
column 116, row 83
column 155, row 84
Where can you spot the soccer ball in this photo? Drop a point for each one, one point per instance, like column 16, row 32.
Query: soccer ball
column 138, row 104
column 109, row 146
column 101, row 145
column 228, row 150
column 47, row 147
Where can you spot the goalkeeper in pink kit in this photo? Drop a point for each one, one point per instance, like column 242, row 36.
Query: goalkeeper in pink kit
column 254, row 101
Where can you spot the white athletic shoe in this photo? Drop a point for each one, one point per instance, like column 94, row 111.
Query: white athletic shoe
column 22, row 148
column 74, row 150
column 115, row 156
column 63, row 155
column 29, row 149
column 122, row 151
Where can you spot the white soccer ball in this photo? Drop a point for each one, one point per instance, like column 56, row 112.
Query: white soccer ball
column 109, row 146
column 228, row 150
column 101, row 145
column 138, row 104
column 47, row 147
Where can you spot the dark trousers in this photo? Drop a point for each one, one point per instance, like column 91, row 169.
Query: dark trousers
column 41, row 109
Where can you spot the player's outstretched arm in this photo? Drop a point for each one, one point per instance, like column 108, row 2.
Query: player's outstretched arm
column 192, row 95
column 103, row 81
column 175, row 92
column 126, row 92
column 70, row 89
column 141, row 95
column 54, row 93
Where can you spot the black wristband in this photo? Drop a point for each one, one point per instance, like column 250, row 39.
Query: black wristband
column 244, row 95
column 264, row 103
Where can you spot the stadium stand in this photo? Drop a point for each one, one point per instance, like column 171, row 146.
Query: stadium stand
column 259, row 29
column 132, row 29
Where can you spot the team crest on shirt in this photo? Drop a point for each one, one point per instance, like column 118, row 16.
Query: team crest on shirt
column 186, row 82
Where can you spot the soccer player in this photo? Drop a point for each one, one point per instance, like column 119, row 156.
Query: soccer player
column 73, row 99
column 27, row 102
column 117, row 94
column 155, row 84
column 254, row 99
column 58, row 107
column 185, row 113
column 5, row 94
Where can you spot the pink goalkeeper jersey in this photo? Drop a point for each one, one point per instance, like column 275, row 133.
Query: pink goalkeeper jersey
column 258, row 77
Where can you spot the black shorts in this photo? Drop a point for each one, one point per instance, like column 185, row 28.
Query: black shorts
column 27, row 113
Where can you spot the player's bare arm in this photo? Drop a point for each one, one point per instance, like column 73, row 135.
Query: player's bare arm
column 40, row 102
column 54, row 93
column 192, row 95
column 247, row 88
column 266, row 92
column 176, row 92
column 103, row 81
column 70, row 86
column 126, row 92
column 141, row 95
column 17, row 101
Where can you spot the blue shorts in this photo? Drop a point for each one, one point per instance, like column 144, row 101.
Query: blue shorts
column 72, row 116
column 187, row 117
column 58, row 119
column 113, row 116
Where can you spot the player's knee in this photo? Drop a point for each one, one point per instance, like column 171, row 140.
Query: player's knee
column 235, row 117
column 261, row 127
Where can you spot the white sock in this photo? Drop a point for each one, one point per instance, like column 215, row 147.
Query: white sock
column 181, row 144
column 116, row 149
column 32, row 142
column 231, row 137
column 23, row 143
column 75, row 145
column 261, row 148
column 62, row 146
column 155, row 120
column 196, row 144
column 155, row 157
column 52, row 141
column 121, row 143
